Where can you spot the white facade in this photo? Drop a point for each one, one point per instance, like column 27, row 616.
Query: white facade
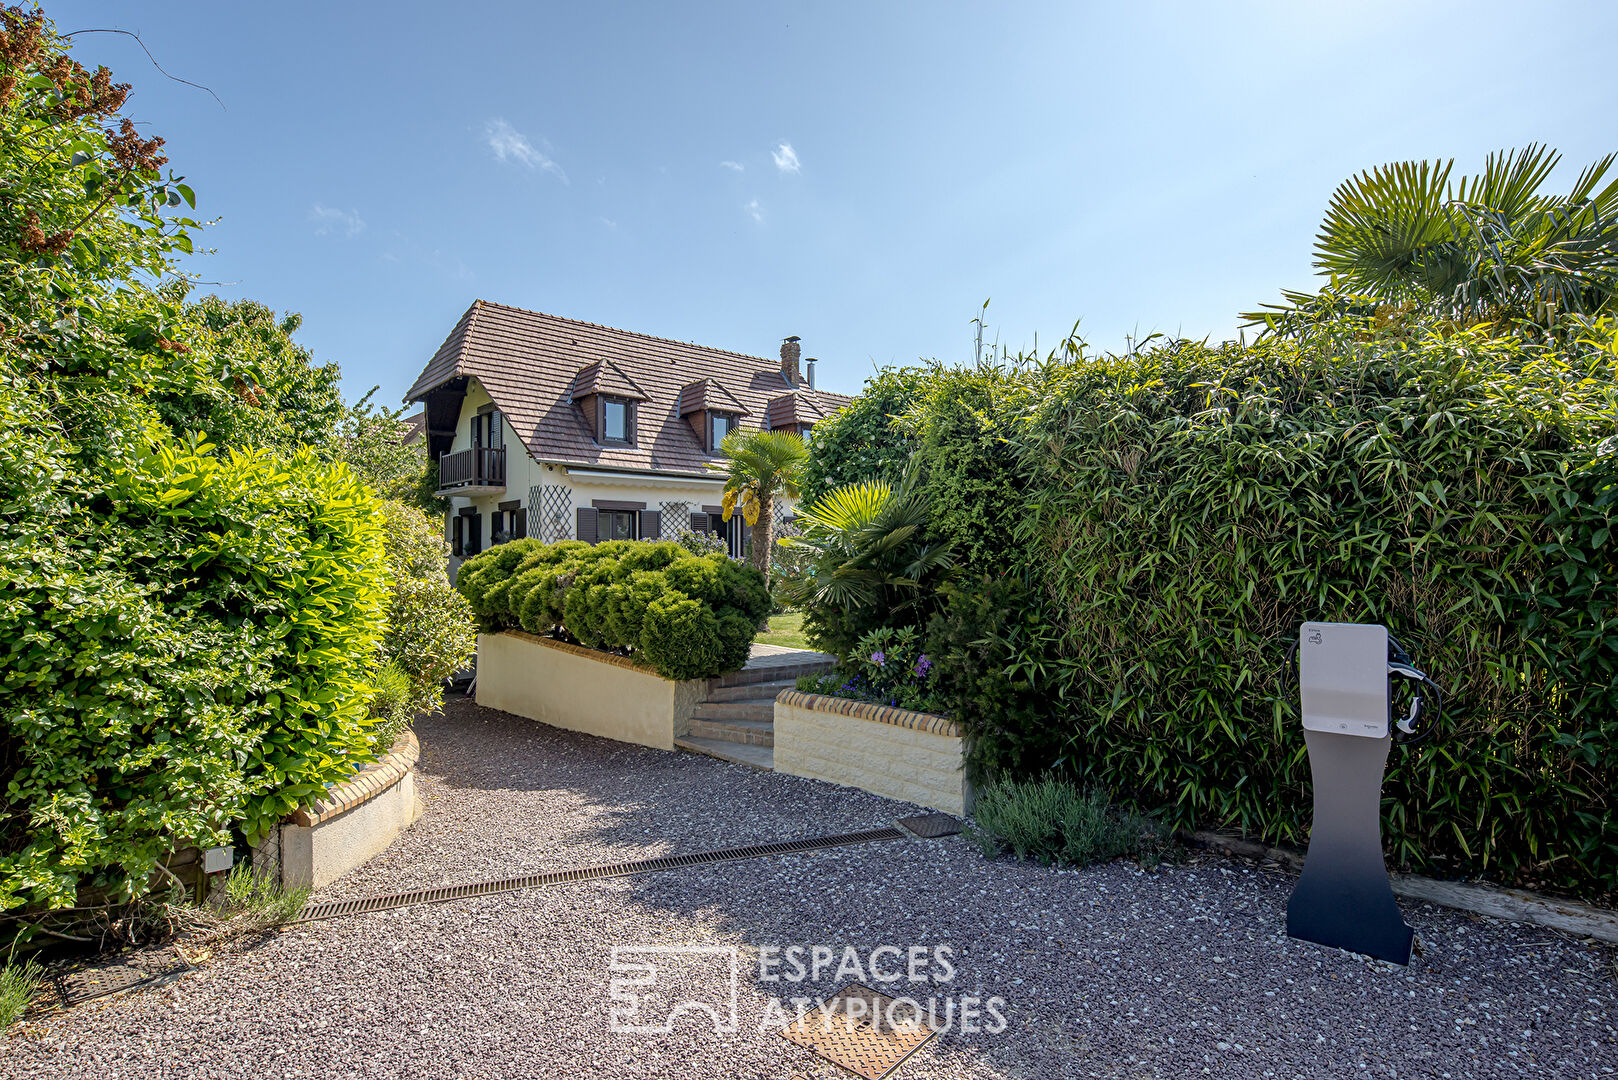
column 549, row 495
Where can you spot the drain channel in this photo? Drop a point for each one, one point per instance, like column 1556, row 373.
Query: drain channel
column 337, row 908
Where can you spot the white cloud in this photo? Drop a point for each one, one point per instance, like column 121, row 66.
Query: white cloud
column 509, row 144
column 733, row 166
column 329, row 220
column 786, row 158
column 754, row 211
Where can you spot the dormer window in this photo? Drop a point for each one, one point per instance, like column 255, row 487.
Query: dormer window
column 615, row 421
column 722, row 424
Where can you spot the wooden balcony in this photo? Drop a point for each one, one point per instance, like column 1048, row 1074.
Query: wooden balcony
column 478, row 471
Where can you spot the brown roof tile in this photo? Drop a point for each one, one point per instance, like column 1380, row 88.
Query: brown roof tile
column 528, row 362
column 708, row 394
column 603, row 377
column 792, row 409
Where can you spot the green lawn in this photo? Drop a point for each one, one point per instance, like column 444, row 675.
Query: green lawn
column 785, row 630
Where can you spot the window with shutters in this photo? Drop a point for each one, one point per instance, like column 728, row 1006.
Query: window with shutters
column 487, row 430
column 509, row 522
column 615, row 524
column 468, row 536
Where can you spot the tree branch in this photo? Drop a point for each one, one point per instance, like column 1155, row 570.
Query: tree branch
column 149, row 56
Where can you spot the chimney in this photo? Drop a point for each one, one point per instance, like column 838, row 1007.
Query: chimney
column 790, row 351
column 809, row 366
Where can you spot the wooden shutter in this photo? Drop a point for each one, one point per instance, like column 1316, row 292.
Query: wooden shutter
column 587, row 524
column 699, row 523
column 651, row 525
column 520, row 517
column 474, row 542
column 457, row 546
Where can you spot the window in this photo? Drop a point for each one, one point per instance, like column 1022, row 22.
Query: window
column 508, row 522
column 723, row 424
column 615, row 525
column 617, row 421
column 487, row 431
column 468, row 537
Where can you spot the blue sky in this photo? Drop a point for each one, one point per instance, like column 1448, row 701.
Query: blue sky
column 1136, row 167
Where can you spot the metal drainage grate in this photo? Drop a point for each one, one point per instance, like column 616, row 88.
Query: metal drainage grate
column 337, row 908
column 120, row 973
column 861, row 1031
column 931, row 826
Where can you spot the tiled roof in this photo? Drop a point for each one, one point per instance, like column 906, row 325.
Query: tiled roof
column 794, row 408
column 708, row 394
column 603, row 377
column 412, row 427
column 528, row 362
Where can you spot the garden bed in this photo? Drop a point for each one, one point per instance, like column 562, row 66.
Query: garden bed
column 882, row 749
column 569, row 686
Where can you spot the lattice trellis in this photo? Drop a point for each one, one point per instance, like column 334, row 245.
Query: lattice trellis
column 676, row 516
column 786, row 522
column 552, row 506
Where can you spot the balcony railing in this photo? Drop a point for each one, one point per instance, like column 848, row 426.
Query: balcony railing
column 481, row 466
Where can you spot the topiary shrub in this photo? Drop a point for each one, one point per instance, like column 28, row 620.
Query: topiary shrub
column 684, row 616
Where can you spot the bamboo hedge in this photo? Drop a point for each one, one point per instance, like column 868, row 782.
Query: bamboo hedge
column 1154, row 527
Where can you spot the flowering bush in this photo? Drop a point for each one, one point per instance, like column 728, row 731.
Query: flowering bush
column 888, row 667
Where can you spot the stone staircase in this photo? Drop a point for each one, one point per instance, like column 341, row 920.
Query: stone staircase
column 736, row 722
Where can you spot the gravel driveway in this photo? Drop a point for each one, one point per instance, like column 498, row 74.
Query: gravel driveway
column 1106, row 972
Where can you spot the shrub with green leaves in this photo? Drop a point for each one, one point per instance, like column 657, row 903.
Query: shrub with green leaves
column 1140, row 537
column 1051, row 821
column 889, row 666
column 1192, row 505
column 187, row 631
column 430, row 633
column 194, row 657
column 684, row 616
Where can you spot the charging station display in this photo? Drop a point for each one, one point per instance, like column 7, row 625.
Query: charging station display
column 1346, row 673
column 1343, row 678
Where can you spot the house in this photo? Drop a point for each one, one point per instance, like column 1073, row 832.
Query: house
column 557, row 429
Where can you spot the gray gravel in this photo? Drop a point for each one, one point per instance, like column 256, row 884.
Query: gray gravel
column 1106, row 972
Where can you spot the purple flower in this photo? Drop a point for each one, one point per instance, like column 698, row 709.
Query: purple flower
column 923, row 666
column 879, row 658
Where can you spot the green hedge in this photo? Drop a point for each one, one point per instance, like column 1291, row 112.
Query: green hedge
column 684, row 616
column 1178, row 513
column 191, row 659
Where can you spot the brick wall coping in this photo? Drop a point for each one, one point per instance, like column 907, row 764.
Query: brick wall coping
column 369, row 782
column 865, row 710
column 580, row 650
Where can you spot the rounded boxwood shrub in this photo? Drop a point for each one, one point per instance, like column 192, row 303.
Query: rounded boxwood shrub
column 685, row 616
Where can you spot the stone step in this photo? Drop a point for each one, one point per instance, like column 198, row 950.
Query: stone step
column 751, row 691
column 776, row 669
column 756, row 757
column 761, row 709
column 753, row 732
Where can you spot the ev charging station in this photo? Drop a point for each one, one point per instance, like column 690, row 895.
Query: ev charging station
column 1346, row 673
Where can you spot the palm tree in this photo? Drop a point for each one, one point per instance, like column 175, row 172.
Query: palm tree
column 762, row 465
column 868, row 549
column 1486, row 248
